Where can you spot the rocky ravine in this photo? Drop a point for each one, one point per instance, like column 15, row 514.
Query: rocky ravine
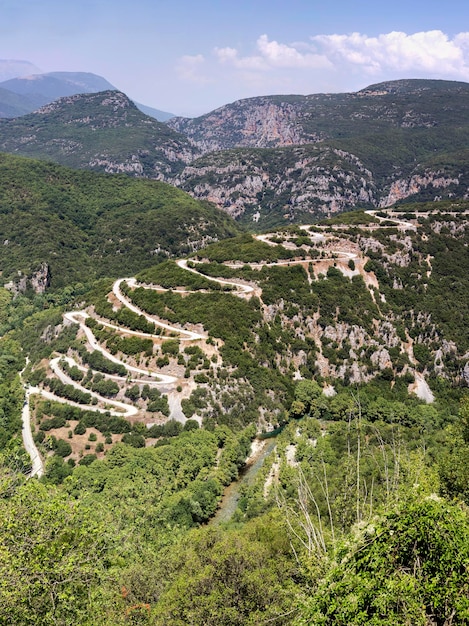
column 291, row 184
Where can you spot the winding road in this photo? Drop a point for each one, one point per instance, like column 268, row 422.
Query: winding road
column 123, row 409
column 401, row 223
column 74, row 318
column 28, row 441
column 188, row 335
column 240, row 287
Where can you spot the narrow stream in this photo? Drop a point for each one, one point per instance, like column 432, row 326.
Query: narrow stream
column 231, row 495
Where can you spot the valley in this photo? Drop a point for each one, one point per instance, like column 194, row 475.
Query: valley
column 234, row 361
column 166, row 366
column 148, row 392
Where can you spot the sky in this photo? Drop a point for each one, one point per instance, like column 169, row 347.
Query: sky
column 189, row 57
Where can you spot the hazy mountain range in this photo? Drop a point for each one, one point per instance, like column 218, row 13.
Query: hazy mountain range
column 23, row 88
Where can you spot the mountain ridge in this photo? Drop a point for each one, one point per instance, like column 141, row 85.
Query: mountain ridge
column 274, row 160
column 104, row 131
column 298, row 112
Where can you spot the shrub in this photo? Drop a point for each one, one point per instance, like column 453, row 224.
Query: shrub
column 133, row 393
column 63, row 448
column 80, row 429
column 170, row 347
column 133, row 439
column 87, row 459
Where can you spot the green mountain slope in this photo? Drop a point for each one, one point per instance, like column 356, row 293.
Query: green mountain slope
column 13, row 105
column 85, row 225
column 355, row 512
column 103, row 131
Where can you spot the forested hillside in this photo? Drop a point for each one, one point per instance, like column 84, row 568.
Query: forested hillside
column 238, row 430
column 67, row 227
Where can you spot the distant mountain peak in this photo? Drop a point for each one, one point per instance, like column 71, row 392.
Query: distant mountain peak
column 37, row 90
column 127, row 140
column 14, row 68
column 53, row 85
column 110, row 98
column 410, row 86
column 92, row 82
column 105, row 109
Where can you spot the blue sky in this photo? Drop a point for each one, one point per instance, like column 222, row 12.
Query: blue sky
column 189, row 57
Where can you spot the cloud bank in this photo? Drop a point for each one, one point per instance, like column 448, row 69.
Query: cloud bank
column 430, row 52
column 332, row 62
column 272, row 54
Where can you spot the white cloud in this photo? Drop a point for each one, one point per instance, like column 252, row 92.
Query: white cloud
column 282, row 55
column 425, row 53
column 230, row 56
column 272, row 55
column 430, row 53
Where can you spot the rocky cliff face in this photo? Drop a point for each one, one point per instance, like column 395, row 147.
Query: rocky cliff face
column 38, row 281
column 255, row 123
column 435, row 182
column 290, row 185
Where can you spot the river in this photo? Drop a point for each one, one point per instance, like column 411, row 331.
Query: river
column 231, row 496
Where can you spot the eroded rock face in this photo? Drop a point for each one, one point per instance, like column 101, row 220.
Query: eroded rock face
column 465, row 373
column 254, row 123
column 39, row 281
column 297, row 181
column 403, row 188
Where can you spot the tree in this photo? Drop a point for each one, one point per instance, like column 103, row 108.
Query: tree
column 410, row 567
column 53, row 554
column 133, row 393
column 229, row 578
column 464, row 415
column 63, row 448
column 306, row 402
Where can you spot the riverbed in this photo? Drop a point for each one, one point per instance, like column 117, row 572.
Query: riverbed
column 259, row 451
